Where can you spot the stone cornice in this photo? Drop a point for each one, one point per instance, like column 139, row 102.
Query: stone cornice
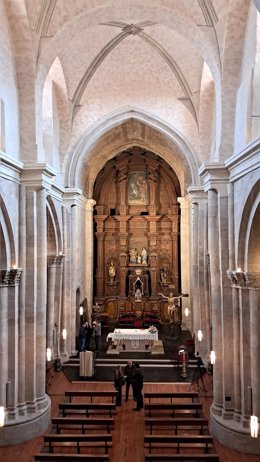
column 10, row 169
column 243, row 279
column 10, row 277
column 38, row 175
column 215, row 175
column 244, row 162
column 71, row 196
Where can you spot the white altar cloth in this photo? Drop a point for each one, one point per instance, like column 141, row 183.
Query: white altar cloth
column 133, row 339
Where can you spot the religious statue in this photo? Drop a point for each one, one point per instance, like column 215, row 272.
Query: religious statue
column 164, row 276
column 138, row 295
column 133, row 255
column 144, row 256
column 112, row 270
column 171, row 305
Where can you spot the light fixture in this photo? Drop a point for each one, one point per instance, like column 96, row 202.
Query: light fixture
column 64, row 334
column 239, row 269
column 186, row 312
column 81, row 310
column 212, row 357
column 200, row 335
column 254, row 426
column 2, row 416
column 48, row 354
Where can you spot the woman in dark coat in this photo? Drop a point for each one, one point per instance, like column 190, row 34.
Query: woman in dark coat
column 119, row 381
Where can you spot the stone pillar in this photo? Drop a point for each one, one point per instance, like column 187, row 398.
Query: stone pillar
column 51, row 276
column 185, row 259
column 3, row 337
column 64, row 311
column 254, row 305
column 214, row 251
column 22, row 304
column 100, row 236
column 89, row 252
column 58, row 300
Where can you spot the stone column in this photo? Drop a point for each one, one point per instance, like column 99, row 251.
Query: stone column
column 254, row 305
column 64, row 321
column 41, row 293
column 22, row 305
column 100, row 236
column 3, row 336
column 185, row 259
column 58, row 300
column 89, row 251
column 214, row 251
column 51, row 277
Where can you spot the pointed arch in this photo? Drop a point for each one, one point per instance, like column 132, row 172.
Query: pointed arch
column 7, row 248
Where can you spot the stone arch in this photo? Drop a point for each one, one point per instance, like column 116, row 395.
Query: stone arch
column 248, row 241
column 54, row 238
column 86, row 158
column 7, row 248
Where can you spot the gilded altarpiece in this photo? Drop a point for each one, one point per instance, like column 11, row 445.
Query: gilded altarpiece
column 136, row 232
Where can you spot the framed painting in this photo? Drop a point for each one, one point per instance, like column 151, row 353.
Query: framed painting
column 138, row 192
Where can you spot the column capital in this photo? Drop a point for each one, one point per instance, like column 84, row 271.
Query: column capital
column 215, row 175
column 55, row 260
column 244, row 279
column 196, row 195
column 71, row 196
column 38, row 175
column 10, row 277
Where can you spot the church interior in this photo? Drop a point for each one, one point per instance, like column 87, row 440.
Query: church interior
column 130, row 184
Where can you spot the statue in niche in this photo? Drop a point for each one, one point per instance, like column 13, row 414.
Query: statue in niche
column 138, row 295
column 164, row 276
column 133, row 254
column 144, row 256
column 112, row 271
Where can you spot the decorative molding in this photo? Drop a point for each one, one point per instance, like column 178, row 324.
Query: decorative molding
column 10, row 277
column 208, row 12
column 44, row 17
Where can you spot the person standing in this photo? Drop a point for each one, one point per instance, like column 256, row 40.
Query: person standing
column 88, row 336
column 138, row 381
column 129, row 372
column 119, row 381
column 82, row 336
column 96, row 333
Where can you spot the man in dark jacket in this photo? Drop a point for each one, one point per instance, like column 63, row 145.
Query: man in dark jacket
column 138, row 381
column 129, row 372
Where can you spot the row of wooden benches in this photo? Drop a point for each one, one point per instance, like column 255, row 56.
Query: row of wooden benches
column 105, row 439
column 193, row 395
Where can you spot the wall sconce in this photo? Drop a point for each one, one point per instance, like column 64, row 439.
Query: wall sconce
column 64, row 334
column 254, row 426
column 186, row 312
column 2, row 416
column 81, row 310
column 200, row 335
column 212, row 357
column 48, row 354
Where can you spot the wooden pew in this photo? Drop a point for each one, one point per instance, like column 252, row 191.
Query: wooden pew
column 181, row 457
column 178, row 441
column 83, row 422
column 193, row 395
column 176, row 423
column 52, row 457
column 103, row 440
column 91, row 393
column 182, row 408
column 87, row 408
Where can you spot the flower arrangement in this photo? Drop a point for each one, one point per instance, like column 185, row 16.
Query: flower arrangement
column 152, row 329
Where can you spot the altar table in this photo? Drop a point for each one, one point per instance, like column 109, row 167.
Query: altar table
column 133, row 339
